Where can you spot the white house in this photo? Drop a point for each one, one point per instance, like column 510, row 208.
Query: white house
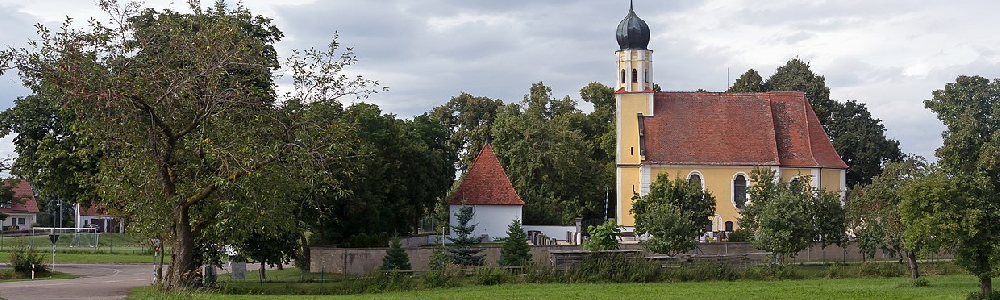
column 487, row 189
column 23, row 212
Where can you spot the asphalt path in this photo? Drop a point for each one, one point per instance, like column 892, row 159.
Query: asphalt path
column 97, row 281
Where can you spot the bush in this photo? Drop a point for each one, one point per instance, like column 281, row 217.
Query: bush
column 873, row 269
column 493, row 276
column 770, row 272
column 536, row 273
column 613, row 267
column 447, row 276
column 701, row 272
column 23, row 258
column 740, row 235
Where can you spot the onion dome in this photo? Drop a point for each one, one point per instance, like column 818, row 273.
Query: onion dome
column 633, row 33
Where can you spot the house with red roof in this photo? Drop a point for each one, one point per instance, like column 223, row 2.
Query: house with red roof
column 487, row 189
column 712, row 139
column 22, row 212
column 95, row 216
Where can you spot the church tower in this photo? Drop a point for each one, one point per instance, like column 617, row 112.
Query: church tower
column 634, row 58
column 634, row 102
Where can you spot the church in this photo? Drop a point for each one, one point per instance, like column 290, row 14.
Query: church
column 710, row 138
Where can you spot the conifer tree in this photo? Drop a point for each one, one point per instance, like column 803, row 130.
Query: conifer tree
column 395, row 257
column 461, row 248
column 515, row 250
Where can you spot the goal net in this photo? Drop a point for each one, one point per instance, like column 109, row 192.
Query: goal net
column 77, row 237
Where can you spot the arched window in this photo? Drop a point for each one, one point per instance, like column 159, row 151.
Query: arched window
column 729, row 226
column 623, row 75
column 635, row 76
column 647, row 76
column 695, row 178
column 740, row 191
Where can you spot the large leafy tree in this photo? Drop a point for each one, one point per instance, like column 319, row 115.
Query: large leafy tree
column 468, row 119
column 548, row 159
column 183, row 108
column 959, row 207
column 786, row 217
column 873, row 210
column 859, row 139
column 674, row 212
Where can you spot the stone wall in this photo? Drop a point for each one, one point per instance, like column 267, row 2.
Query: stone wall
column 365, row 260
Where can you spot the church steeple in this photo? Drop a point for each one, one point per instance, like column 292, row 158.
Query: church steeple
column 634, row 57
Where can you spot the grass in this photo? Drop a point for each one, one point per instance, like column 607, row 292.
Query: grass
column 106, row 243
column 8, row 275
column 941, row 287
column 66, row 258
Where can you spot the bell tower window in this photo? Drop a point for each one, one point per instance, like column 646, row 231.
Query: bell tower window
column 635, row 76
column 623, row 75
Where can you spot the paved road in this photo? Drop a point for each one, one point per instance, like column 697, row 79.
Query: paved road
column 98, row 281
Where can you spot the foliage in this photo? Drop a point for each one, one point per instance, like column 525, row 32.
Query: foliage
column 24, row 259
column 858, row 138
column 273, row 247
column 959, row 206
column 468, row 120
column 749, row 82
column 674, row 212
column 881, row 269
column 873, row 210
column 395, row 257
column 183, row 109
column 515, row 250
column 440, row 258
column 613, row 267
column 550, row 152
column 785, row 217
column 493, row 276
column 603, row 237
column 740, row 235
column 462, row 249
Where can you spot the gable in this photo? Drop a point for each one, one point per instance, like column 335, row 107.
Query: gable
column 762, row 129
column 24, row 194
column 485, row 183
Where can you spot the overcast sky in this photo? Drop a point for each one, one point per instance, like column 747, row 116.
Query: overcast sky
column 889, row 55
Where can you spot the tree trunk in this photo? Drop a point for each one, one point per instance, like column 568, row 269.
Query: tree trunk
column 262, row 275
column 182, row 269
column 986, row 285
column 911, row 260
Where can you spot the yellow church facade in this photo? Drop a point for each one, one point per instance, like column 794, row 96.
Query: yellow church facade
column 713, row 139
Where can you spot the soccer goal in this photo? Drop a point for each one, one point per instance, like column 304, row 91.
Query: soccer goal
column 79, row 237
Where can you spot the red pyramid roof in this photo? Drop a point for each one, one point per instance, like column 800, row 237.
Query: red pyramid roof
column 485, row 183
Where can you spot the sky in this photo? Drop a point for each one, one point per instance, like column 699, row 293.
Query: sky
column 890, row 55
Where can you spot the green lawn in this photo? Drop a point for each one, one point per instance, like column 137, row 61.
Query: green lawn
column 66, row 258
column 83, row 243
column 941, row 287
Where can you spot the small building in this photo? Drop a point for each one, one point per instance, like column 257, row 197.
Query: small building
column 487, row 189
column 22, row 212
column 97, row 217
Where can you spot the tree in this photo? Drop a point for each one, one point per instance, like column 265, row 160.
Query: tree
column 469, row 120
column 603, row 237
column 396, row 258
column 461, row 248
column 749, row 82
column 183, row 109
column 959, row 205
column 270, row 247
column 858, row 138
column 873, row 210
column 674, row 212
column 548, row 158
column 785, row 217
column 515, row 250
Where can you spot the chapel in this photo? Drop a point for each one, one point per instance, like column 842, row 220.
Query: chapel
column 710, row 138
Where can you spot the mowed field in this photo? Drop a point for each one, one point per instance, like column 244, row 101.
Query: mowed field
column 941, row 287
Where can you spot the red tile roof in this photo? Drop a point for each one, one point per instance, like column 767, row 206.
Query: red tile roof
column 24, row 195
column 769, row 129
column 94, row 210
column 485, row 183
